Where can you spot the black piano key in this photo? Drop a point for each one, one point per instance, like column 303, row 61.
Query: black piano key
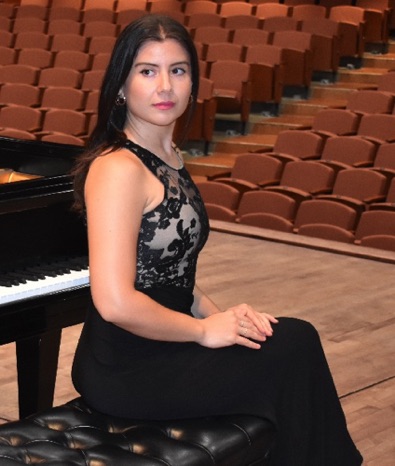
column 8, row 282
column 16, row 278
column 41, row 270
column 48, row 271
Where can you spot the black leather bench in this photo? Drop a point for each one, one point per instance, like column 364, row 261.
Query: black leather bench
column 75, row 435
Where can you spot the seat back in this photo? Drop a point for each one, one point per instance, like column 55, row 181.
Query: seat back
column 300, row 144
column 100, row 28
column 91, row 80
column 73, row 59
column 62, row 12
column 320, row 211
column 269, row 221
column 241, row 21
column 32, row 39
column 386, row 242
column 210, row 34
column 219, row 193
column 59, row 77
column 20, row 117
column 386, row 82
column 248, row 36
column 99, row 14
column 264, row 53
column 370, row 101
column 268, row 202
column 235, row 8
column 256, row 168
column 7, row 55
column 204, row 19
column 65, row 121
column 29, row 24
column 385, row 156
column 378, row 126
column 223, row 51
column 320, row 26
column 64, row 26
column 375, row 222
column 327, row 232
column 267, row 10
column 16, row 73
column 200, row 6
column 298, row 40
column 37, row 57
column 62, row 97
column 336, row 121
column 68, row 41
column 280, row 23
column 308, row 11
column 359, row 183
column 308, row 176
column 219, row 212
column 229, row 75
column 349, row 150
column 20, row 94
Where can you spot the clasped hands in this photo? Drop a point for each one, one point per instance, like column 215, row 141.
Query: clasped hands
column 240, row 325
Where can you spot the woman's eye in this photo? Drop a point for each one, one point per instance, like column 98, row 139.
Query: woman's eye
column 147, row 72
column 178, row 71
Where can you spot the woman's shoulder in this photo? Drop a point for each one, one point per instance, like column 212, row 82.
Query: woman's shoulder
column 121, row 161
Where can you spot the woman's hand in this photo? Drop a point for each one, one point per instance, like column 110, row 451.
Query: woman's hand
column 238, row 325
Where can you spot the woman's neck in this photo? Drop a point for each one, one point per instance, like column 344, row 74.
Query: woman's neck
column 159, row 142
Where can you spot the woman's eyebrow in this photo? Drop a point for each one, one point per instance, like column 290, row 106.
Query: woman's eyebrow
column 183, row 62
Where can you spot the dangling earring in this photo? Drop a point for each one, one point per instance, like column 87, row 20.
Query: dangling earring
column 191, row 99
column 120, row 100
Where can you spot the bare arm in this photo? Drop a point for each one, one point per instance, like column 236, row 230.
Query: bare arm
column 118, row 191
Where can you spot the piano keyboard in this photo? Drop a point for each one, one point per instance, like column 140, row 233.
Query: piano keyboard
column 35, row 281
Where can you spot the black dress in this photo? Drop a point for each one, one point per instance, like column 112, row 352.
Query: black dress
column 287, row 381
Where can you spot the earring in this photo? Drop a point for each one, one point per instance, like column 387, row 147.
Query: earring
column 120, row 100
column 191, row 99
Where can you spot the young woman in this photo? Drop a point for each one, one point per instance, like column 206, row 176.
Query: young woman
column 154, row 346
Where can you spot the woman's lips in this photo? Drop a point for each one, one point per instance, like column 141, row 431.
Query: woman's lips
column 164, row 105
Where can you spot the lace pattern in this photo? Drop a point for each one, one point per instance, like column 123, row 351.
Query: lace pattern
column 171, row 235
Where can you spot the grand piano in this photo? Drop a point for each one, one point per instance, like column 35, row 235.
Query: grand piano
column 44, row 277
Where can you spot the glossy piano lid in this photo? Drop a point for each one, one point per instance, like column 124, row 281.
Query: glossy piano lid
column 51, row 162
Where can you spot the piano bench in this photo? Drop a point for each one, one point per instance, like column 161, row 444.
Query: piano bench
column 74, row 435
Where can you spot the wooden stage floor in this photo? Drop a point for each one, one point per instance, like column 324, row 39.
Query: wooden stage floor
column 350, row 300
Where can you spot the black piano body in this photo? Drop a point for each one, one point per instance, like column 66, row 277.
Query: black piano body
column 38, row 226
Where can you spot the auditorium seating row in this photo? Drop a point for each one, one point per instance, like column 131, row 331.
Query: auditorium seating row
column 26, row 106
column 338, row 216
column 357, row 23
column 266, row 63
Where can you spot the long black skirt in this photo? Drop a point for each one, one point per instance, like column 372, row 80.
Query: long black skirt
column 287, row 381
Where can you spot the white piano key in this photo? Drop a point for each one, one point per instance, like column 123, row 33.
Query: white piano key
column 42, row 287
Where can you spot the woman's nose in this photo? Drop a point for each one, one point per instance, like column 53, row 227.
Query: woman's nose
column 165, row 82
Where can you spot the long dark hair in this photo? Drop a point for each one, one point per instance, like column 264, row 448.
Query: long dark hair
column 108, row 134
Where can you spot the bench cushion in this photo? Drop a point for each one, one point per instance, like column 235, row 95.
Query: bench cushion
column 74, row 435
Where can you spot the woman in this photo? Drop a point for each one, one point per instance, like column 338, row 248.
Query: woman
column 154, row 346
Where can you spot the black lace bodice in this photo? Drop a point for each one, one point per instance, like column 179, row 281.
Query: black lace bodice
column 171, row 235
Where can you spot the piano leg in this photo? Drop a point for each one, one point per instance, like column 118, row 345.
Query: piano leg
column 37, row 362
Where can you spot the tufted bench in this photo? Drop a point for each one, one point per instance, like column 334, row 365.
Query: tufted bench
column 74, row 435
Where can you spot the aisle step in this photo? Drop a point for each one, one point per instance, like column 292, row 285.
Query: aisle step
column 247, row 143
column 361, row 75
column 283, row 122
column 382, row 61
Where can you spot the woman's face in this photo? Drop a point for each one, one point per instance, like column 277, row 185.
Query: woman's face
column 159, row 84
